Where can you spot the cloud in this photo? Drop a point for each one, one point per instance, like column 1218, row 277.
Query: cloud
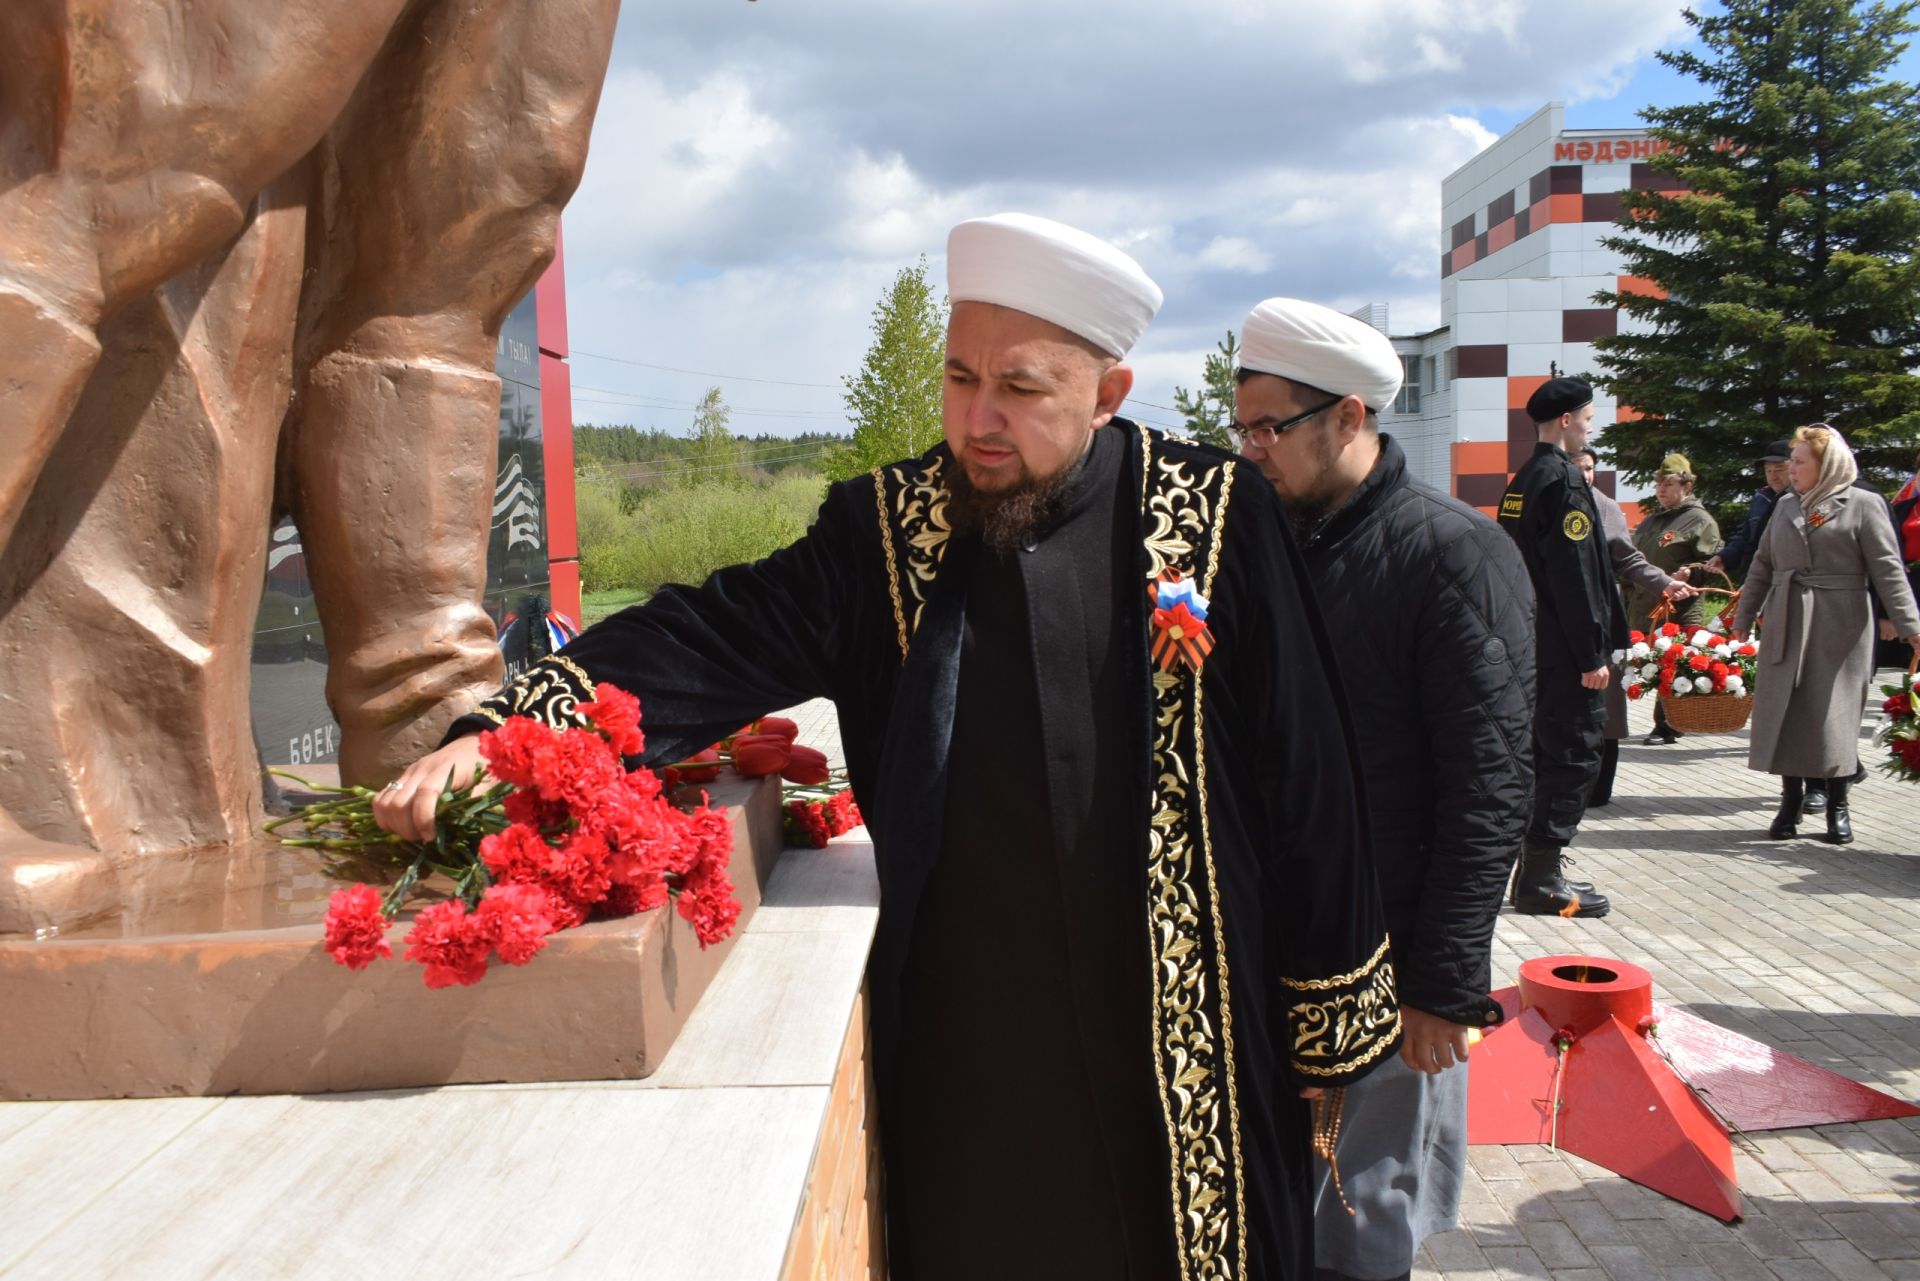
column 759, row 171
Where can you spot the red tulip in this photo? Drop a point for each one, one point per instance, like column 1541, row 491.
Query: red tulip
column 807, row 766
column 778, row 726
column 702, row 767
column 757, row 755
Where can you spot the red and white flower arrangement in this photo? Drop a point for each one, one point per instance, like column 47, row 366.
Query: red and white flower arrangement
column 1676, row 662
column 1901, row 736
column 565, row 833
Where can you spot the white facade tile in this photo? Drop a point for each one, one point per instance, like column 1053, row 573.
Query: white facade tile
column 1534, row 326
column 1535, row 295
column 1482, row 424
column 1480, row 295
column 1527, row 358
column 1566, row 264
column 1601, row 262
column 1475, row 328
column 1576, row 292
column 1566, row 237
column 1600, row 179
column 1579, row 359
column 1480, row 393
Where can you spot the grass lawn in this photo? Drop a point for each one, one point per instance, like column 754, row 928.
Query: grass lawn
column 595, row 606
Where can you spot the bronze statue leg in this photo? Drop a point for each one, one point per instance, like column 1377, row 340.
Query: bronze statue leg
column 443, row 184
column 136, row 134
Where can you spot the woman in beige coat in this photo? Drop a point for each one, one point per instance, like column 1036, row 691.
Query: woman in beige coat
column 1823, row 548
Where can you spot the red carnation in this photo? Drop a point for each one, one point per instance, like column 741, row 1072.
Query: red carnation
column 778, row 726
column 450, row 943
column 356, row 929
column 632, row 899
column 842, row 814
column 1747, row 651
column 757, row 755
column 511, row 750
column 807, row 825
column 1635, row 691
column 1700, row 662
column 1898, row 706
column 516, row 919
column 616, row 714
column 1636, row 638
column 806, row 766
column 1670, row 629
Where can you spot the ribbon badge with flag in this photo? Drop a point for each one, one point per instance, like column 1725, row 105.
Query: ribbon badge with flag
column 1180, row 633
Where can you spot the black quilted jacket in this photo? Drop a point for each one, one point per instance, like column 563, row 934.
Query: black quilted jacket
column 1431, row 615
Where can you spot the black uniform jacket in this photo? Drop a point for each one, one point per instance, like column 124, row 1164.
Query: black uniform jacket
column 1264, row 961
column 1550, row 512
column 1432, row 612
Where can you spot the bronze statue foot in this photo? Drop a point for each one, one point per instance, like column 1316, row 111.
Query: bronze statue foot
column 47, row 887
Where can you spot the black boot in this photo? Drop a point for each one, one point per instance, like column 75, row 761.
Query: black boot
column 1786, row 823
column 1839, row 821
column 1540, row 890
column 1816, row 796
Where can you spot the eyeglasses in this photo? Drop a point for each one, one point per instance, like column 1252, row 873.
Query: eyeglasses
column 1266, row 433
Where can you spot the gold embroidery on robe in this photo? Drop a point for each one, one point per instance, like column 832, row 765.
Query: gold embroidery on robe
column 550, row 691
column 1344, row 1022
column 912, row 500
column 1183, row 506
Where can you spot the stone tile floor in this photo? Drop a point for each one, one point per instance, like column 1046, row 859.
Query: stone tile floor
column 1810, row 947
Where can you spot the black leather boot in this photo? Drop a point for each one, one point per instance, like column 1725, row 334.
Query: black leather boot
column 1786, row 824
column 1540, row 890
column 1816, row 796
column 1839, row 821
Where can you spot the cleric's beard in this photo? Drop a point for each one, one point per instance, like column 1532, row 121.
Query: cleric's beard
column 1004, row 518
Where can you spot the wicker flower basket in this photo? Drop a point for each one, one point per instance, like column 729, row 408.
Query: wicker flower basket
column 1707, row 713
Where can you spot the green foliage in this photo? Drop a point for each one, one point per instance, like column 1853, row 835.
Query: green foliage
column 595, row 606
column 1208, row 412
column 713, row 455
column 1789, row 263
column 894, row 401
column 647, row 459
column 682, row 533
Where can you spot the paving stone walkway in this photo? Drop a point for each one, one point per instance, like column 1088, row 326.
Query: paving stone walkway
column 1810, row 947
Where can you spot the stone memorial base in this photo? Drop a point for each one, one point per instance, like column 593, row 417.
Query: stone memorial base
column 210, row 980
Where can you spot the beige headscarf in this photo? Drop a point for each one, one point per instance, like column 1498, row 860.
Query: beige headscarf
column 1838, row 469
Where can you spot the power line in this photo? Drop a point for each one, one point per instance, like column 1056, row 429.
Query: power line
column 702, row 373
column 745, row 462
column 751, row 413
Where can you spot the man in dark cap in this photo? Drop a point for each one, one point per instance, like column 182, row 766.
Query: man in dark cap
column 1738, row 553
column 1579, row 622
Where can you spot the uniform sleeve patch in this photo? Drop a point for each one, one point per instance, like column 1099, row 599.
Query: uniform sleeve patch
column 1511, row 505
column 1577, row 526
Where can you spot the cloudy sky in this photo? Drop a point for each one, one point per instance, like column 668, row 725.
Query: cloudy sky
column 759, row 171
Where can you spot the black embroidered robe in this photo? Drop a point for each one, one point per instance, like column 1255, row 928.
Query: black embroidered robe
column 1126, row 912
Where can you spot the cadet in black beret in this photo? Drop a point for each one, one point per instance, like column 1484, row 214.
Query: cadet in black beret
column 1579, row 622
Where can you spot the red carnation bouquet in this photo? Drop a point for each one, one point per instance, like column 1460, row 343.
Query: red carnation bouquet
column 1678, row 661
column 819, row 805
column 566, row 833
column 1901, row 737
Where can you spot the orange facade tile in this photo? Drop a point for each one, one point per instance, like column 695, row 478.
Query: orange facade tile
column 1491, row 513
column 1479, row 457
column 1500, row 237
column 1521, row 387
column 1566, row 209
column 1642, row 286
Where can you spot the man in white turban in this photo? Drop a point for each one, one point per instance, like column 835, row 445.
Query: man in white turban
column 1126, row 917
column 1430, row 607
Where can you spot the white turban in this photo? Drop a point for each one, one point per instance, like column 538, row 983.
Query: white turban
column 1319, row 347
column 1053, row 271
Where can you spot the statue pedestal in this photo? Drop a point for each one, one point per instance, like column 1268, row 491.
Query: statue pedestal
column 211, row 980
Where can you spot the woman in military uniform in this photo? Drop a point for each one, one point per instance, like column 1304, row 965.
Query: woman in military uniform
column 1677, row 536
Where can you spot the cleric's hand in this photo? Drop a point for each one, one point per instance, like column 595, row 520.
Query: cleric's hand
column 1595, row 679
column 1429, row 1043
column 406, row 806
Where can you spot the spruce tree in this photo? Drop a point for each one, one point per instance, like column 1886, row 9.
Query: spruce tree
column 1208, row 412
column 894, row 401
column 1786, row 265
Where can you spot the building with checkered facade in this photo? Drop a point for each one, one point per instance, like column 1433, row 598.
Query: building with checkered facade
column 1521, row 227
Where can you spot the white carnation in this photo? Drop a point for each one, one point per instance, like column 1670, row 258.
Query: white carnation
column 1651, row 672
column 1640, row 650
column 1664, row 644
column 1701, row 639
column 1619, row 656
column 1735, row 684
column 1681, row 685
column 1716, row 625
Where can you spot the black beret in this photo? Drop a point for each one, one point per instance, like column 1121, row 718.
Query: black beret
column 1558, row 396
column 1779, row 451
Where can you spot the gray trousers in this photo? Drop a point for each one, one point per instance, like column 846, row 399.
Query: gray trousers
column 1402, row 1157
